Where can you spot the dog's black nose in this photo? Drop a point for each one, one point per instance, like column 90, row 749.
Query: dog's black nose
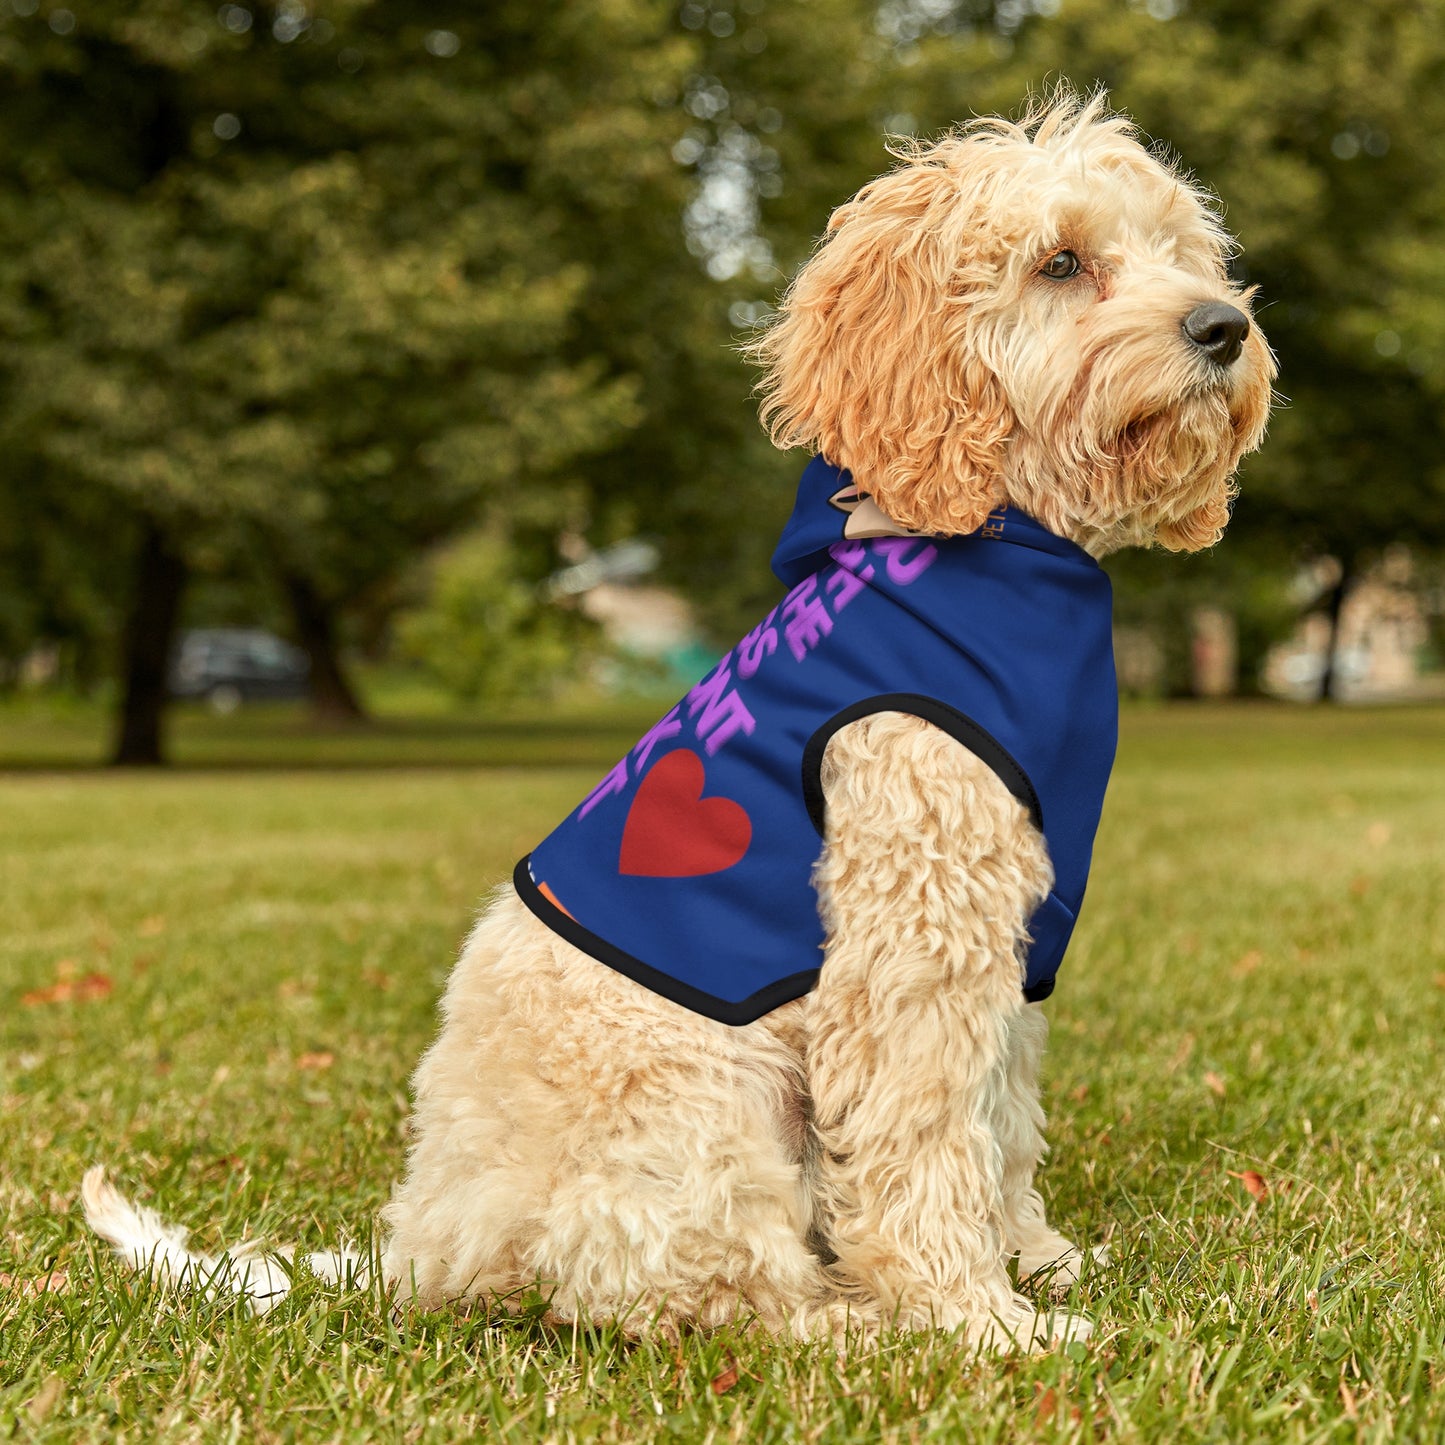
column 1218, row 331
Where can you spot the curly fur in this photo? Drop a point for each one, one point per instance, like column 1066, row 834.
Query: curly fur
column 665, row 1169
column 866, row 1155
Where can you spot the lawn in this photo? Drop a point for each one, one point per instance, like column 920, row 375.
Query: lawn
column 217, row 979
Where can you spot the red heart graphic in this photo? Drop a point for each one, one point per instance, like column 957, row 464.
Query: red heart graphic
column 672, row 831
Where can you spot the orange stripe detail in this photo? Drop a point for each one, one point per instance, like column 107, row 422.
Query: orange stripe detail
column 553, row 900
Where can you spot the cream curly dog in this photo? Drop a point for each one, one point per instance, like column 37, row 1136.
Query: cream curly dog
column 1031, row 316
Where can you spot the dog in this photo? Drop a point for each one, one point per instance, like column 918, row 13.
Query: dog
column 1025, row 333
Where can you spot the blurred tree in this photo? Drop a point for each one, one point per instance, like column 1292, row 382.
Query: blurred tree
column 483, row 633
column 57, row 564
column 318, row 285
column 336, row 280
column 309, row 284
column 778, row 118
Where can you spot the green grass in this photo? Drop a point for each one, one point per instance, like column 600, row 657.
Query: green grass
column 408, row 729
column 1256, row 985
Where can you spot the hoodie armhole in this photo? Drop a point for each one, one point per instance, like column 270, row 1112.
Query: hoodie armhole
column 726, row 1011
column 957, row 725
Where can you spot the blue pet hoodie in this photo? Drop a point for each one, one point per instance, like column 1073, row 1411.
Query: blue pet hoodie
column 689, row 866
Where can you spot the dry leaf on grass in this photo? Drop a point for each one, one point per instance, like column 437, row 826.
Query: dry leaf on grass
column 1248, row 963
column 321, row 1059
column 67, row 990
column 1254, row 1182
column 724, row 1382
column 1046, row 1408
column 1214, row 1083
column 152, row 927
column 56, row 1282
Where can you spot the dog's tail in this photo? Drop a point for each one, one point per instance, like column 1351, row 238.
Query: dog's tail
column 147, row 1243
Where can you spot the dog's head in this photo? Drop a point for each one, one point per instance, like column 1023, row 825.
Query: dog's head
column 1033, row 313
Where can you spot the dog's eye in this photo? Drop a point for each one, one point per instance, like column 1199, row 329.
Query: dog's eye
column 1060, row 266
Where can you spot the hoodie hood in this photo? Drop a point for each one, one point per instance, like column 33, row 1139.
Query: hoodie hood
column 830, row 509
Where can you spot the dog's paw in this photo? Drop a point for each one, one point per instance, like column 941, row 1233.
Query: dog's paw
column 1023, row 1326
column 1058, row 1267
column 1060, row 1327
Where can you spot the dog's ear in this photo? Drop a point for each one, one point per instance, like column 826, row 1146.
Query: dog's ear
column 873, row 359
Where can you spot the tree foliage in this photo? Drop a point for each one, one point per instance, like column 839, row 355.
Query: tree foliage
column 317, row 286
column 481, row 632
column 305, row 289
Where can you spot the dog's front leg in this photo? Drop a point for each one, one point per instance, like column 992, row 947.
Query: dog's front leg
column 1042, row 1251
column 929, row 874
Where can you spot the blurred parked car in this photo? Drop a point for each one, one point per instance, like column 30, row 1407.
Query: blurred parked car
column 230, row 665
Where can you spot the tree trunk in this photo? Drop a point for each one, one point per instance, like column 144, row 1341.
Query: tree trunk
column 1329, row 677
column 150, row 629
column 333, row 699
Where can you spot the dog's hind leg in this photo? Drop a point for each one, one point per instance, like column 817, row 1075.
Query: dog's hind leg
column 679, row 1196
column 929, row 874
column 577, row 1135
